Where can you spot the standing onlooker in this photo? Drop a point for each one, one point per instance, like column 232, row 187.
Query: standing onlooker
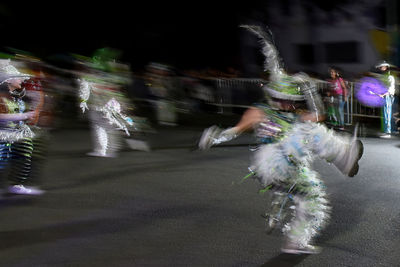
column 395, row 110
column 340, row 92
column 161, row 82
column 389, row 81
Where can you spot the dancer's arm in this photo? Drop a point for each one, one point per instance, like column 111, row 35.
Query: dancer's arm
column 249, row 119
column 84, row 94
column 17, row 116
column 214, row 135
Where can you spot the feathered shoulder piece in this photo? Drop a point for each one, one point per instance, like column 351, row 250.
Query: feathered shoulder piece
column 273, row 63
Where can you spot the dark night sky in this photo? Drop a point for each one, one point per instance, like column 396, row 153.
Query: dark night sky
column 189, row 35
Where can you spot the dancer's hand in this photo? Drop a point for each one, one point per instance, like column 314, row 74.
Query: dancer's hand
column 312, row 116
column 32, row 119
column 29, row 115
column 128, row 120
column 83, row 106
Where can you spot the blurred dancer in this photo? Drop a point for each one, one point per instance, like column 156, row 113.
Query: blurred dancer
column 16, row 137
column 100, row 92
column 294, row 139
column 38, row 97
column 389, row 81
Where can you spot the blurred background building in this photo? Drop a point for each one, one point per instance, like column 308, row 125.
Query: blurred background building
column 313, row 35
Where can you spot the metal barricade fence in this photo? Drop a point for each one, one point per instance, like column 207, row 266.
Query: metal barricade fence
column 324, row 87
column 228, row 94
column 353, row 108
column 225, row 94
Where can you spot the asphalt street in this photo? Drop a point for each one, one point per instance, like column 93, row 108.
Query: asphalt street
column 175, row 206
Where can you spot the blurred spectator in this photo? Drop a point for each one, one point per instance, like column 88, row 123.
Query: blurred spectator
column 340, row 93
column 395, row 106
column 199, row 93
column 40, row 100
column 389, row 81
column 164, row 90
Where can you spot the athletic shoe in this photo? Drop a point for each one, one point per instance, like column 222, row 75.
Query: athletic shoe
column 356, row 152
column 207, row 137
column 25, row 190
column 348, row 164
column 138, row 145
column 98, row 154
column 294, row 249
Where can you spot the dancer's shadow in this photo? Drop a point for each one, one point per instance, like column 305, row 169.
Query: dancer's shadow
column 285, row 260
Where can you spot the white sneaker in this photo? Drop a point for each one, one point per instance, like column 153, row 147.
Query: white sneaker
column 355, row 154
column 348, row 164
column 385, row 136
column 138, row 145
column 308, row 249
column 25, row 190
column 98, row 154
column 206, row 139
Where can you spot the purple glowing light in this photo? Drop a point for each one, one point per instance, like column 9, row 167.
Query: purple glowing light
column 368, row 90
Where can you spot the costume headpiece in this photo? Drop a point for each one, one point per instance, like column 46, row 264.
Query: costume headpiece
column 103, row 58
column 382, row 64
column 282, row 85
column 8, row 72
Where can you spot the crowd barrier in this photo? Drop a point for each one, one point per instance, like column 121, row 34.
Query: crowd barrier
column 231, row 95
column 353, row 109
